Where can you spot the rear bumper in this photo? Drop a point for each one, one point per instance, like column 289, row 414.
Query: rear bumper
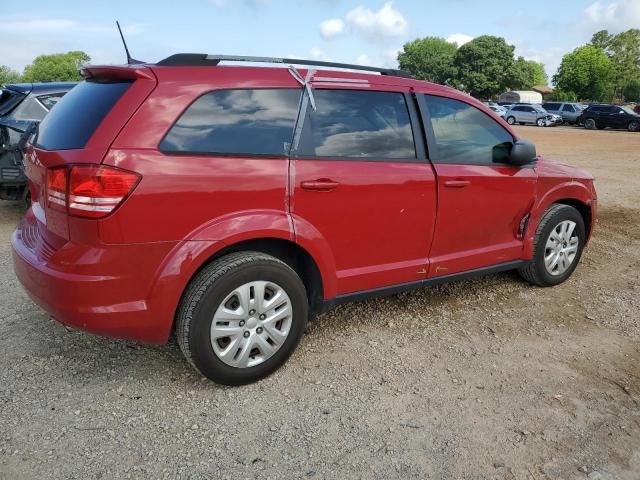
column 107, row 290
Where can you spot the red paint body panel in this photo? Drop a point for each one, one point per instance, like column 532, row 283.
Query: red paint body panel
column 498, row 197
column 375, row 207
column 381, row 224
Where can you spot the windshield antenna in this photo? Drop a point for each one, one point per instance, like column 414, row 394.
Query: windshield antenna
column 130, row 60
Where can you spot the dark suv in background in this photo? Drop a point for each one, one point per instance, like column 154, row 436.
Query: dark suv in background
column 612, row 116
column 22, row 107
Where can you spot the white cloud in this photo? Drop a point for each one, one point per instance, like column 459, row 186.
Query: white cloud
column 386, row 22
column 386, row 59
column 318, row 54
column 615, row 15
column 459, row 38
column 332, row 27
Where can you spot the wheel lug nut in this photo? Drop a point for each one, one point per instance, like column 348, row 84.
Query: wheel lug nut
column 252, row 312
column 242, row 323
column 263, row 316
column 246, row 334
column 259, row 330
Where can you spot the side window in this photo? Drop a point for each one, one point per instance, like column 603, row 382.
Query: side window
column 50, row 100
column 236, row 122
column 30, row 109
column 465, row 135
column 568, row 108
column 358, row 124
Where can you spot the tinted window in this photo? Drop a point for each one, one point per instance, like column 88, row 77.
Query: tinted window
column 30, row 109
column 8, row 100
column 50, row 100
column 357, row 124
column 78, row 114
column 249, row 122
column 518, row 109
column 464, row 134
column 551, row 106
column 568, row 108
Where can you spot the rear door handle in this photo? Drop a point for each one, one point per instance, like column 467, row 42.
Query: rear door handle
column 320, row 185
column 457, row 183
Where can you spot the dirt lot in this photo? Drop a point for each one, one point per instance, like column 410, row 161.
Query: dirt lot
column 487, row 379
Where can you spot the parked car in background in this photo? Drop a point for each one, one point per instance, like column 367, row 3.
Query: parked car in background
column 500, row 111
column 22, row 107
column 155, row 213
column 531, row 114
column 569, row 112
column 603, row 116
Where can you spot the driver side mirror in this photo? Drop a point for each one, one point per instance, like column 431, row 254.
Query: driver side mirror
column 523, row 152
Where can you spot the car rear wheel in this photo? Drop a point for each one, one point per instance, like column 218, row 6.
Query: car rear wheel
column 242, row 317
column 511, row 120
column 589, row 124
column 634, row 126
column 558, row 246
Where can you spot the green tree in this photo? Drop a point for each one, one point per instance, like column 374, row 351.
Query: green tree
column 8, row 76
column 484, row 66
column 624, row 51
column 56, row 67
column 525, row 74
column 631, row 91
column 587, row 72
column 601, row 39
column 430, row 59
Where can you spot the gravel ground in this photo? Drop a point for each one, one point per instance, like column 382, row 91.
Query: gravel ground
column 483, row 379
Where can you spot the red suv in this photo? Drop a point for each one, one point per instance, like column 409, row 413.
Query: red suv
column 230, row 204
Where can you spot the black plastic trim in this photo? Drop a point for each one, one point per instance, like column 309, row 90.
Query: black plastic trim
column 203, row 60
column 404, row 287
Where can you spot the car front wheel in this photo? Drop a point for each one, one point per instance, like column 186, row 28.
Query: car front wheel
column 558, row 246
column 242, row 317
column 541, row 122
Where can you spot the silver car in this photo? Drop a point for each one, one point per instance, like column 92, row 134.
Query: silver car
column 567, row 110
column 531, row 114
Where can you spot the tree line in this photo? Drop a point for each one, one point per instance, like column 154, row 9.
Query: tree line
column 58, row 67
column 606, row 69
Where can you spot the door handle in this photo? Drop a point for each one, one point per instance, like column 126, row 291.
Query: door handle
column 457, row 183
column 320, row 185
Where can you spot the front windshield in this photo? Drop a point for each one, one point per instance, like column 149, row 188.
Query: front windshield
column 628, row 110
column 540, row 109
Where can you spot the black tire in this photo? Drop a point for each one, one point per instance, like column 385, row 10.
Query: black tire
column 205, row 293
column 589, row 124
column 634, row 126
column 535, row 271
column 511, row 120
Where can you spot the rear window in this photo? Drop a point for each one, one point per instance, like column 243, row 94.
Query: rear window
column 236, row 122
column 78, row 114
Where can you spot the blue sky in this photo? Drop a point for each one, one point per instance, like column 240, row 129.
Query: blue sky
column 352, row 31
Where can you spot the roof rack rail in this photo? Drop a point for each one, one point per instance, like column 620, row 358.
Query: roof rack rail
column 202, row 59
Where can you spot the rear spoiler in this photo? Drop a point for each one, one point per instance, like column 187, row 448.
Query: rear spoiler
column 111, row 72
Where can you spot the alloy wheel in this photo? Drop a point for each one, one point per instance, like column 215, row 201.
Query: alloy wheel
column 561, row 248
column 251, row 324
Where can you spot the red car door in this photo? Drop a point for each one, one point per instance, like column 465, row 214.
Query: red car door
column 482, row 200
column 362, row 184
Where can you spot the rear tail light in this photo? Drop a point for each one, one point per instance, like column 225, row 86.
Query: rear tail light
column 92, row 191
